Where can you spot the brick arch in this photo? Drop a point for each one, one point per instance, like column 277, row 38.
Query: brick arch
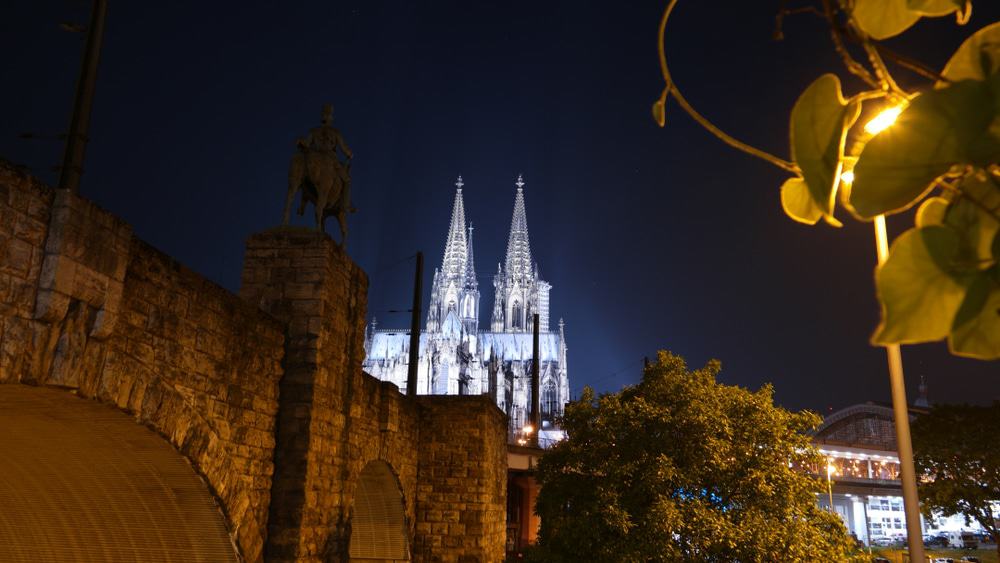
column 82, row 481
column 378, row 528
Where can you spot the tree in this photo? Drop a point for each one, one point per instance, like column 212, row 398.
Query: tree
column 954, row 449
column 682, row 468
column 942, row 277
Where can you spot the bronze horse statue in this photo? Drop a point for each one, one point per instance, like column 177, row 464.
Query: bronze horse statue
column 324, row 180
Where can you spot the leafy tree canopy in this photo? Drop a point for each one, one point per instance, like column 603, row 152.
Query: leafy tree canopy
column 955, row 451
column 682, row 468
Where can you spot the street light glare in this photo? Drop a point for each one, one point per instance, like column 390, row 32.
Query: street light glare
column 883, row 120
column 847, row 177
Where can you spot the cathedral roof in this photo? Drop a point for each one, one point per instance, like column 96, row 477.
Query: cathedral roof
column 519, row 263
column 509, row 346
column 451, row 325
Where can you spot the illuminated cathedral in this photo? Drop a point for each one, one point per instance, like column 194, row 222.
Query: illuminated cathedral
column 456, row 357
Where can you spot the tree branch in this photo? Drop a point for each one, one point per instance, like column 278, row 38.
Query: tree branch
column 911, row 64
column 700, row 119
column 853, row 66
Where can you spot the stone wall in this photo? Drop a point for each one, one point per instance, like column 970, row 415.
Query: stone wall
column 86, row 306
column 448, row 453
column 462, row 487
column 263, row 393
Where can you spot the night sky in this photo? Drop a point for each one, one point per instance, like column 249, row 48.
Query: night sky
column 652, row 238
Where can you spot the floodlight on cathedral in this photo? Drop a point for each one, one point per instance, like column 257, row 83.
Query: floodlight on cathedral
column 456, row 357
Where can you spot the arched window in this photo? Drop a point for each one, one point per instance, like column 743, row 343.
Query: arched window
column 468, row 307
column 517, row 315
column 550, row 401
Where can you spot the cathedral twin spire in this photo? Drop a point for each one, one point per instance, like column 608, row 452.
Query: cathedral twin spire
column 519, row 293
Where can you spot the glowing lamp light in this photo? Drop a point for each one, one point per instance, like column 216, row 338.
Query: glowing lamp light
column 528, row 429
column 883, row 120
column 847, row 177
column 831, row 470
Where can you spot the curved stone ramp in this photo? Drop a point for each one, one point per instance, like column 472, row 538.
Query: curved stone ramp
column 81, row 481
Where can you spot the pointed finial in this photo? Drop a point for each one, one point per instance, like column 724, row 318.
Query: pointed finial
column 459, row 183
column 520, row 182
column 562, row 324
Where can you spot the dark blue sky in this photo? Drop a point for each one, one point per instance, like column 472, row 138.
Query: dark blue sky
column 651, row 238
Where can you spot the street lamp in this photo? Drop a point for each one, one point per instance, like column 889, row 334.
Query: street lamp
column 830, row 472
column 901, row 414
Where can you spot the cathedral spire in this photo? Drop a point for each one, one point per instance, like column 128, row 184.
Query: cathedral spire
column 519, row 263
column 455, row 249
column 470, row 264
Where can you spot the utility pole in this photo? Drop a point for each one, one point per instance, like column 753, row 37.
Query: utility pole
column 411, row 373
column 536, row 419
column 76, row 139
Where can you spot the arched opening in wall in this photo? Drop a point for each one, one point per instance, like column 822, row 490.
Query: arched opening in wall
column 81, row 481
column 378, row 522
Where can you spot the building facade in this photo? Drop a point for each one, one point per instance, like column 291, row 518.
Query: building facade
column 862, row 472
column 459, row 356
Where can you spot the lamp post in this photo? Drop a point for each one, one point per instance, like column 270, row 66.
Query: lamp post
column 900, row 409
column 830, row 470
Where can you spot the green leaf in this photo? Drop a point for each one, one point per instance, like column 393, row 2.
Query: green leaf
column 931, row 212
column 798, row 202
column 883, row 18
column 818, row 127
column 977, row 58
column 976, row 331
column 937, row 131
column 935, row 8
column 919, row 296
column 975, row 227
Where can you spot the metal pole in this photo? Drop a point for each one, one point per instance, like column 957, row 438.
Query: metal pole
column 908, row 475
column 411, row 372
column 829, row 483
column 536, row 419
column 76, row 139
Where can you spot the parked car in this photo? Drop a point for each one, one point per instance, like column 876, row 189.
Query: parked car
column 936, row 541
column 880, row 560
column 882, row 541
column 942, row 560
column 971, row 558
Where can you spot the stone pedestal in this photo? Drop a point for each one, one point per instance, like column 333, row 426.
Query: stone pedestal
column 305, row 280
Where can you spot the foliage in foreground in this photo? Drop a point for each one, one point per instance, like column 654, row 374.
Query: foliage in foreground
column 682, row 468
column 942, row 277
column 955, row 451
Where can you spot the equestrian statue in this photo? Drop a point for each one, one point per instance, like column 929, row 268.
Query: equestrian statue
column 325, row 181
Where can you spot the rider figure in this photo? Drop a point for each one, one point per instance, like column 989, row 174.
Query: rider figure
column 325, row 140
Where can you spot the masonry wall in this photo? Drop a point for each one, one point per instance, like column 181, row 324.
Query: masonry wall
column 262, row 392
column 462, row 487
column 86, row 306
column 448, row 453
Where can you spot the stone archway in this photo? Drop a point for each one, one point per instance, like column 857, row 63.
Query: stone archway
column 378, row 520
column 82, row 481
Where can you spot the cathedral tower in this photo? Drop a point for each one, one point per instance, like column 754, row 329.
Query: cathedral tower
column 519, row 293
column 450, row 289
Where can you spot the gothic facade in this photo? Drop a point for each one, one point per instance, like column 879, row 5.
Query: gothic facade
column 456, row 356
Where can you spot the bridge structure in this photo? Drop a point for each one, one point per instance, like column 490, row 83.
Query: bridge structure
column 149, row 414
